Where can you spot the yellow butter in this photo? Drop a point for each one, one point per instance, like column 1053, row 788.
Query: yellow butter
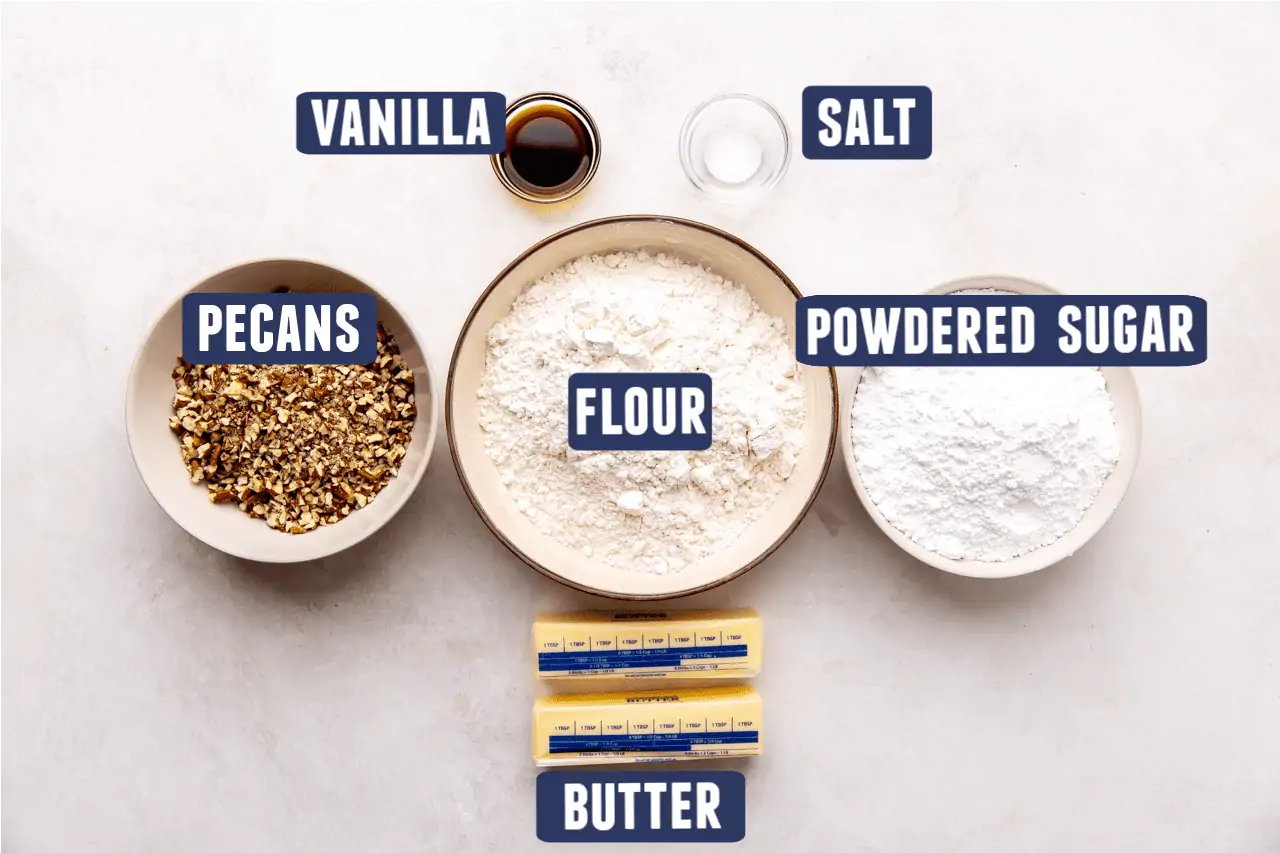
column 652, row 725
column 648, row 644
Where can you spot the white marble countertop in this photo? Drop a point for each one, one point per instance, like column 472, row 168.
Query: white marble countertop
column 160, row 696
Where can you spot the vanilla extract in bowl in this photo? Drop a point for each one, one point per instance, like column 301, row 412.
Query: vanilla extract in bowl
column 552, row 149
column 547, row 149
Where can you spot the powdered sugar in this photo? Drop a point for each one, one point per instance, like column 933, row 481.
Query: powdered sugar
column 646, row 511
column 983, row 463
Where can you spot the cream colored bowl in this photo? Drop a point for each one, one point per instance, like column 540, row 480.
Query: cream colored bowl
column 1128, row 414
column 149, row 403
column 694, row 242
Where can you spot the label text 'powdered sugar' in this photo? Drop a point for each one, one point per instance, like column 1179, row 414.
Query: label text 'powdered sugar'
column 1001, row 329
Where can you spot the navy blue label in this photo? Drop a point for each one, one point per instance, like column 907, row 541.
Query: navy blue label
column 639, row 411
column 994, row 330
column 635, row 658
column 684, row 741
column 401, row 122
column 867, row 123
column 279, row 328
column 641, row 805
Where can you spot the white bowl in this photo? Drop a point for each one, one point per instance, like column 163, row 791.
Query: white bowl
column 692, row 241
column 1128, row 413
column 149, row 403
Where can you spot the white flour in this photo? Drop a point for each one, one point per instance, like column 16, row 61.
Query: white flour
column 643, row 511
column 983, row 463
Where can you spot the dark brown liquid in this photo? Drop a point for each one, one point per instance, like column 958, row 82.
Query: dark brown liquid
column 548, row 151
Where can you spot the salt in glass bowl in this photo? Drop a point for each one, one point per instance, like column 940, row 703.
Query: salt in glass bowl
column 734, row 147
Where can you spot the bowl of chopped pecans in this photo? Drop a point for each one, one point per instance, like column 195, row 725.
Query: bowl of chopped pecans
column 281, row 463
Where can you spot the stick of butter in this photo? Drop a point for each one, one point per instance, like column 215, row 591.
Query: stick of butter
column 654, row 725
column 648, row 644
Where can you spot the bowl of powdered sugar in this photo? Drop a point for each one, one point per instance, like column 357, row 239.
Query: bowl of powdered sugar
column 991, row 471
column 639, row 293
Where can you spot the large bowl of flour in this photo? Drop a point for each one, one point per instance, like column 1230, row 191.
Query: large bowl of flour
column 639, row 293
column 991, row 472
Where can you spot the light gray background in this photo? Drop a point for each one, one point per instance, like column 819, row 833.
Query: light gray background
column 161, row 697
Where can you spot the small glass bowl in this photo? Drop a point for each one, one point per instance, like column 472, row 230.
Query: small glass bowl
column 734, row 147
column 534, row 101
